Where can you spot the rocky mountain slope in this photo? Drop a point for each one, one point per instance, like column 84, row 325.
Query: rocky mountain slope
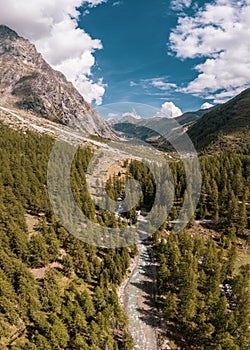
column 27, row 82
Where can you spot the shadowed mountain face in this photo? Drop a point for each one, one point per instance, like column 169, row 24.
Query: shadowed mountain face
column 189, row 118
column 28, row 82
column 226, row 123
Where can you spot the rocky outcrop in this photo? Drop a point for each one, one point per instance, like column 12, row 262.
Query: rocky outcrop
column 28, row 82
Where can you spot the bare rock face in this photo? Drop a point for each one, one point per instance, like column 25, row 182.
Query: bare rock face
column 28, row 82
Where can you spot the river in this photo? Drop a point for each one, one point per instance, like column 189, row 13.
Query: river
column 139, row 304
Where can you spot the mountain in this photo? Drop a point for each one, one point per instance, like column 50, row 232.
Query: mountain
column 27, row 82
column 129, row 126
column 221, row 128
column 185, row 119
column 225, row 127
column 191, row 117
column 153, row 130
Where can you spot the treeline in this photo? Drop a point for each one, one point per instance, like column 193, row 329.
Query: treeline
column 73, row 304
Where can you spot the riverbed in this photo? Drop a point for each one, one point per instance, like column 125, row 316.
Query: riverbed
column 138, row 302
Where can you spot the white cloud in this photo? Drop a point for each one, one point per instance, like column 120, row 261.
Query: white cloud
column 93, row 3
column 52, row 26
column 117, row 3
column 162, row 85
column 132, row 114
column 158, row 83
column 169, row 110
column 132, row 84
column 220, row 33
column 206, row 105
column 178, row 5
column 90, row 89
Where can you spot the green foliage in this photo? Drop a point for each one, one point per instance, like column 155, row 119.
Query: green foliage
column 224, row 192
column 56, row 292
column 208, row 307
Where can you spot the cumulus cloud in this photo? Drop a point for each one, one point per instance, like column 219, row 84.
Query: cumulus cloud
column 206, row 105
column 52, row 26
column 133, row 114
column 169, row 110
column 220, row 33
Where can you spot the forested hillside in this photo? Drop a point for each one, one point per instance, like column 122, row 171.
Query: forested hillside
column 227, row 123
column 55, row 292
column 224, row 193
column 204, row 301
column 203, row 272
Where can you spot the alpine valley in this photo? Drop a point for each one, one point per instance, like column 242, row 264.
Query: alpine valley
column 175, row 290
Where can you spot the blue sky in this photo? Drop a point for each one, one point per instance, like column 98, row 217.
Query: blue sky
column 147, row 56
column 135, row 54
column 175, row 55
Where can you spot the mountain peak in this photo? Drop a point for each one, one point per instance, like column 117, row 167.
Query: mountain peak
column 7, row 32
column 28, row 82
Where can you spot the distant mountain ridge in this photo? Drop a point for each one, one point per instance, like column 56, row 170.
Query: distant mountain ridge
column 27, row 82
column 224, row 127
column 145, row 129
